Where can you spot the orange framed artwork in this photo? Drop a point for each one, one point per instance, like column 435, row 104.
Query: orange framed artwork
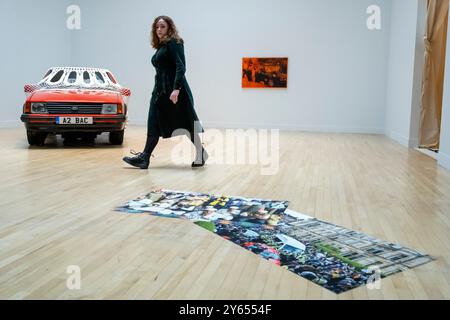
column 264, row 72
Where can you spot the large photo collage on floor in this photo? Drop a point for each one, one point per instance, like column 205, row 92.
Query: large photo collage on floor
column 333, row 257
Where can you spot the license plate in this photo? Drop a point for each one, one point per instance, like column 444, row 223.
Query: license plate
column 74, row 120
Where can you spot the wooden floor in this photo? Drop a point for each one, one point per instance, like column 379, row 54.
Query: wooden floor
column 57, row 210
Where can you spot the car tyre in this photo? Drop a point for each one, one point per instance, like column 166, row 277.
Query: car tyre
column 116, row 137
column 36, row 138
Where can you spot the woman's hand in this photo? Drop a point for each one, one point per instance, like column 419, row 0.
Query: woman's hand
column 174, row 96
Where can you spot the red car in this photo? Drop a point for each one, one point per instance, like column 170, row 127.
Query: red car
column 75, row 102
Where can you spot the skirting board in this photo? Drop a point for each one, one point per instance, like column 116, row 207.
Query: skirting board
column 294, row 127
column 10, row 124
column 285, row 127
column 404, row 141
column 444, row 160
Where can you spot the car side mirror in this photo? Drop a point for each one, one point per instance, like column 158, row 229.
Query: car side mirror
column 29, row 88
column 125, row 92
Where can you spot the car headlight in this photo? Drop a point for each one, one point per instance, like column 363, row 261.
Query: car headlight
column 109, row 109
column 38, row 107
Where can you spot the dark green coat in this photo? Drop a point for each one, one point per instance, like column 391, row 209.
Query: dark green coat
column 164, row 116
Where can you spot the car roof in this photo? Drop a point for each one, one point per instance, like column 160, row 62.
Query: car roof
column 79, row 77
column 78, row 68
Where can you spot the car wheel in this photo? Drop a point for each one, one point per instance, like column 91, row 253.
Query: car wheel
column 116, row 137
column 36, row 138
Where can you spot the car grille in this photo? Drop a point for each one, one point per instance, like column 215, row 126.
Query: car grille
column 73, row 108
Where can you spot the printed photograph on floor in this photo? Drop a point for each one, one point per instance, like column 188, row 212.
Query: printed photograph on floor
column 331, row 256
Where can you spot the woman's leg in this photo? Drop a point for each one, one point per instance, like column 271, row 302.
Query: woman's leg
column 201, row 154
column 150, row 145
column 142, row 159
column 197, row 142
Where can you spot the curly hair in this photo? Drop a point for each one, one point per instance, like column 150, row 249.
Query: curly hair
column 172, row 33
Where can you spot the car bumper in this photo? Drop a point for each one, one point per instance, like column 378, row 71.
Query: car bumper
column 47, row 123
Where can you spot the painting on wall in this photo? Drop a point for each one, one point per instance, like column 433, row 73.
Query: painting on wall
column 264, row 72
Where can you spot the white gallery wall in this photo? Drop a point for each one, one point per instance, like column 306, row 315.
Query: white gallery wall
column 337, row 67
column 406, row 60
column 401, row 69
column 34, row 38
column 444, row 149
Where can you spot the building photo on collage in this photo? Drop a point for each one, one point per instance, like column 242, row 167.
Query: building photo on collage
column 226, row 151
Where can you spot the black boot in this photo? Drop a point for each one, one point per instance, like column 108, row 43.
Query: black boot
column 200, row 160
column 140, row 160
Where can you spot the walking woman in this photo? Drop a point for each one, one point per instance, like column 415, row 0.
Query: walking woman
column 171, row 110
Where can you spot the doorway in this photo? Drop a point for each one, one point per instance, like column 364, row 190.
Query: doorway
column 435, row 39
